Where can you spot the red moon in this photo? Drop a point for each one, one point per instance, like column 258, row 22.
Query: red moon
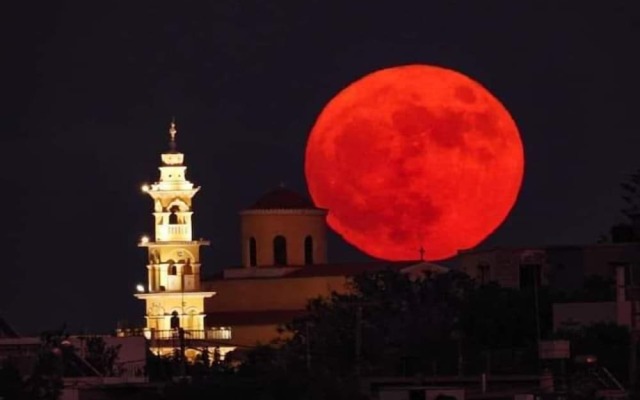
column 414, row 157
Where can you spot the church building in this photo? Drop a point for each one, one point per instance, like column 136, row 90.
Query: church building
column 283, row 249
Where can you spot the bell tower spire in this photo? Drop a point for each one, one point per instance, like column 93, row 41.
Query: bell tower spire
column 173, row 295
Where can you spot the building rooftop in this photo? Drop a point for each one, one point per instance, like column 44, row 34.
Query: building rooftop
column 348, row 269
column 282, row 198
column 549, row 247
column 321, row 270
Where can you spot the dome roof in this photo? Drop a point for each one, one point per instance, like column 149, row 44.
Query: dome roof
column 282, row 198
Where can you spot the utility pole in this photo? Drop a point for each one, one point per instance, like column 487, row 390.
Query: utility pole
column 537, row 277
column 628, row 291
column 358, row 338
column 532, row 264
column 183, row 365
column 537, row 280
column 308, row 345
column 358, row 334
column 458, row 335
column 460, row 359
column 183, row 355
column 633, row 297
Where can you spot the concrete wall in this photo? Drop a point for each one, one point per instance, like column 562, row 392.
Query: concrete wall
column 266, row 294
column 250, row 335
column 576, row 315
column 269, row 294
column 599, row 258
column 504, row 265
column 564, row 267
column 623, row 312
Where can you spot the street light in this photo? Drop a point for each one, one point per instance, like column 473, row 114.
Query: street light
column 144, row 239
column 145, row 188
column 140, row 288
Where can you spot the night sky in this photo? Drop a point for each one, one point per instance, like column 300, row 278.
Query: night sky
column 90, row 91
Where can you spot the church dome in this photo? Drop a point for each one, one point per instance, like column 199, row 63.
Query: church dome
column 282, row 198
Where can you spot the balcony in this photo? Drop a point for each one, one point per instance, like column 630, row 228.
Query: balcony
column 209, row 334
column 175, row 232
column 219, row 333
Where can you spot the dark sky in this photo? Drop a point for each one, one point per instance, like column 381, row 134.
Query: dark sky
column 91, row 86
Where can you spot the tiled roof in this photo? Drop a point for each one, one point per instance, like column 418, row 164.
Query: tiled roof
column 282, row 198
column 265, row 317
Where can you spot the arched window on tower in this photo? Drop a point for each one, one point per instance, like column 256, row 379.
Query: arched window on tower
column 308, row 250
column 253, row 252
column 173, row 217
column 280, row 250
column 173, row 270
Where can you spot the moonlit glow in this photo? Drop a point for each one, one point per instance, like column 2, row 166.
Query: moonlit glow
column 414, row 156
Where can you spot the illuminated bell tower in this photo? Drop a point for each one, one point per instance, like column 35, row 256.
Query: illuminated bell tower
column 173, row 296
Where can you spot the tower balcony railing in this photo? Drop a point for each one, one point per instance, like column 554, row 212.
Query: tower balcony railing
column 208, row 334
column 217, row 333
column 179, row 232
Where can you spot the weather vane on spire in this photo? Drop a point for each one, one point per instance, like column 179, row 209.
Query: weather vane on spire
column 172, row 132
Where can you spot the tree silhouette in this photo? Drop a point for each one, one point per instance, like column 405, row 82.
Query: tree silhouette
column 45, row 381
column 624, row 232
column 10, row 381
column 101, row 356
column 631, row 195
column 387, row 324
